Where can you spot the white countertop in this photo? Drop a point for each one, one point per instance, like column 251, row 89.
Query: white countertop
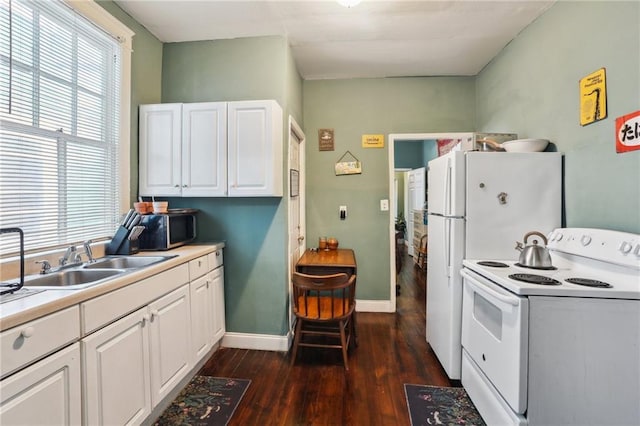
column 28, row 308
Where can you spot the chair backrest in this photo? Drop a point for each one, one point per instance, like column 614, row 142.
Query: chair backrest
column 323, row 297
column 423, row 241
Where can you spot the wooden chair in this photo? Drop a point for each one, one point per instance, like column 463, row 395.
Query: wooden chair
column 421, row 260
column 324, row 306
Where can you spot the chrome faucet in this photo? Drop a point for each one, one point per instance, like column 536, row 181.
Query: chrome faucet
column 71, row 255
column 87, row 251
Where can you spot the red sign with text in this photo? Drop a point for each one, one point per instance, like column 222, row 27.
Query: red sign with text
column 628, row 132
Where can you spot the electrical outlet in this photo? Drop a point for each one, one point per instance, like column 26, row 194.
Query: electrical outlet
column 343, row 212
column 384, row 205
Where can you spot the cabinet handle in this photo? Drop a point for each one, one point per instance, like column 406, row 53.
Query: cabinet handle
column 218, row 253
column 176, row 186
column 27, row 332
column 199, row 263
column 145, row 318
column 154, row 313
column 184, row 186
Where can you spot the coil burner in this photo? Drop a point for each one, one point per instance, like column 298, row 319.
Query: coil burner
column 534, row 279
column 493, row 264
column 588, row 282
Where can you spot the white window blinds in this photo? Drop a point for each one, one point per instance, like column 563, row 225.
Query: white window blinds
column 59, row 117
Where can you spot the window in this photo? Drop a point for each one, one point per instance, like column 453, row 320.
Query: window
column 62, row 175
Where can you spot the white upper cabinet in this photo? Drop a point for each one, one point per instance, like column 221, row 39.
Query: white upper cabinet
column 160, row 148
column 204, row 149
column 183, row 149
column 196, row 150
column 255, row 149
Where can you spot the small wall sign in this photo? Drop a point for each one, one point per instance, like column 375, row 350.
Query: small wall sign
column 593, row 97
column 325, row 139
column 373, row 141
column 628, row 132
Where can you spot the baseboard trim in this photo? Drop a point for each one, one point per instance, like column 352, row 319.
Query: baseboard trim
column 374, row 306
column 260, row 342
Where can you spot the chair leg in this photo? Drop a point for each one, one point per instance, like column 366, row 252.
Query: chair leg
column 343, row 340
column 296, row 340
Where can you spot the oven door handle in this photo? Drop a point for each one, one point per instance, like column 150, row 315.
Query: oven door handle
column 488, row 291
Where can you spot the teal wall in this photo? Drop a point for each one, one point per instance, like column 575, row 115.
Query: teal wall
column 371, row 106
column 532, row 88
column 408, row 154
column 254, row 229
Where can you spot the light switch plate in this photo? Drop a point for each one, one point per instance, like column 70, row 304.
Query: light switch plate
column 384, row 205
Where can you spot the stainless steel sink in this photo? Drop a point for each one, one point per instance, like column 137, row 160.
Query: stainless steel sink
column 126, row 262
column 72, row 278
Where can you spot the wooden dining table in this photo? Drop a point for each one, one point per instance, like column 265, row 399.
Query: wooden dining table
column 326, row 262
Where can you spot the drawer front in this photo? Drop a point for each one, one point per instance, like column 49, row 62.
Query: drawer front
column 102, row 310
column 27, row 342
column 215, row 259
column 198, row 267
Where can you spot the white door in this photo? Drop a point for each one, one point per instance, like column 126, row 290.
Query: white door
column 160, row 149
column 296, row 198
column 169, row 342
column 204, row 149
column 46, row 393
column 116, row 372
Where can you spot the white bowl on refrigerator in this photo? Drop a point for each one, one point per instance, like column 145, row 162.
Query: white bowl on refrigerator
column 525, row 145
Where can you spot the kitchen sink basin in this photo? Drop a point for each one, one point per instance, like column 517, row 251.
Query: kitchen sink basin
column 125, row 262
column 72, row 278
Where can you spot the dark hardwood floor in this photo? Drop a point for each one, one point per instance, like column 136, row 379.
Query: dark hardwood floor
column 392, row 351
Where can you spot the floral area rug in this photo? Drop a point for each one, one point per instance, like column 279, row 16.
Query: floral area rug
column 205, row 401
column 433, row 405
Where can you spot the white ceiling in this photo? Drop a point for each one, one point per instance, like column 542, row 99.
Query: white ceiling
column 373, row 39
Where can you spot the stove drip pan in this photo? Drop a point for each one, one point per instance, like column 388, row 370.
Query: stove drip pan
column 588, row 282
column 493, row 264
column 534, row 279
column 541, row 268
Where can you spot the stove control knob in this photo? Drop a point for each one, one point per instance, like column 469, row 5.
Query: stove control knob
column 636, row 251
column 558, row 237
column 585, row 240
column 625, row 247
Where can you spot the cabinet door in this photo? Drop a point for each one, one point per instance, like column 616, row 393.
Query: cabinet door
column 170, row 342
column 46, row 393
column 255, row 148
column 160, row 149
column 201, row 316
column 116, row 378
column 217, row 284
column 204, row 149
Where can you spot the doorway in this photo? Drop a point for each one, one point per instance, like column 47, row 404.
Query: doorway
column 401, row 138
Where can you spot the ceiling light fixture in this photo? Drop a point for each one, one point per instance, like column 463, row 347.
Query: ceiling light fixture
column 349, row 3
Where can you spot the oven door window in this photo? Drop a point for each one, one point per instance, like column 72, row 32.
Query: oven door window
column 487, row 314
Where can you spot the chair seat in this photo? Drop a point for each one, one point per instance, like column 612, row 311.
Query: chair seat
column 323, row 308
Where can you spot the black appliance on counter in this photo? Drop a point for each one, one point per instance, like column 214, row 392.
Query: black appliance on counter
column 165, row 231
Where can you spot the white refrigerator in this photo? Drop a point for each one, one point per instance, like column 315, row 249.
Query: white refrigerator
column 479, row 205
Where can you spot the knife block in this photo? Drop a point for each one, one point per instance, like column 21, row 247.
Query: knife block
column 120, row 243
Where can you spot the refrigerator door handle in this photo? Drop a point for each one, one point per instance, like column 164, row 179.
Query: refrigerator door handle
column 446, row 244
column 447, row 190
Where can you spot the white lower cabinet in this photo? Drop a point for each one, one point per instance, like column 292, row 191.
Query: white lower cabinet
column 201, row 305
column 217, row 283
column 116, row 373
column 132, row 364
column 46, row 393
column 170, row 342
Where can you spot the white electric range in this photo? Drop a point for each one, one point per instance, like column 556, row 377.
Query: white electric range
column 562, row 347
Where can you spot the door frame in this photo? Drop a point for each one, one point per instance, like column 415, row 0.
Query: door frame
column 295, row 128
column 418, row 137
